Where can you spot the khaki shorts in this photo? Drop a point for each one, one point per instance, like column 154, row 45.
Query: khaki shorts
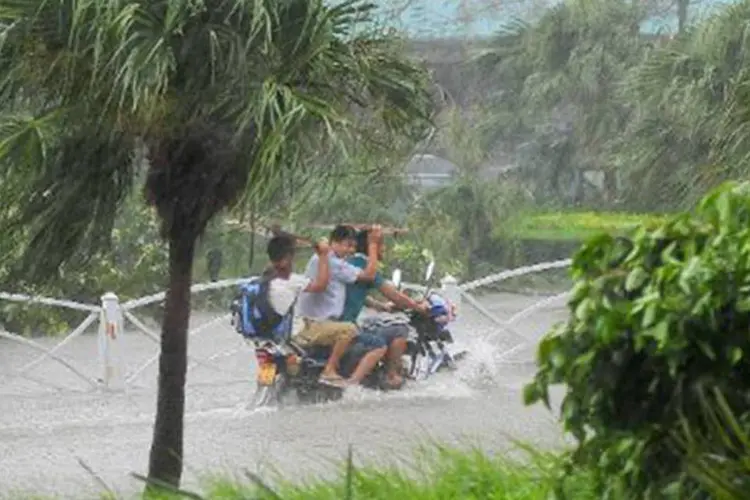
column 325, row 333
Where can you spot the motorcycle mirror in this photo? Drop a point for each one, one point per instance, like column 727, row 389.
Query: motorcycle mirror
column 430, row 269
column 396, row 278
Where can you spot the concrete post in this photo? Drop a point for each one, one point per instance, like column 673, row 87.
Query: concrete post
column 110, row 341
column 450, row 290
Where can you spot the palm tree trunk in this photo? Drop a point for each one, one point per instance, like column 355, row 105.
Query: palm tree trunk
column 165, row 461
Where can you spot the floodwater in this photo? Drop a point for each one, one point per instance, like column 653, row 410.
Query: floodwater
column 51, row 425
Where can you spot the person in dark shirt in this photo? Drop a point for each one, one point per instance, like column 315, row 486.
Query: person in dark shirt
column 358, row 296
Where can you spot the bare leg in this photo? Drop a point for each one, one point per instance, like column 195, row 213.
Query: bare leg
column 395, row 351
column 339, row 348
column 367, row 364
column 336, row 334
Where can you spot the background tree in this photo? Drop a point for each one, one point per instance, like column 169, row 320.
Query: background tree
column 223, row 98
column 688, row 128
column 558, row 106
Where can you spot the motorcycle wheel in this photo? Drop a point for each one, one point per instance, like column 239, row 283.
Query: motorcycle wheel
column 269, row 395
column 320, row 394
column 418, row 368
column 451, row 362
column 377, row 380
column 460, row 355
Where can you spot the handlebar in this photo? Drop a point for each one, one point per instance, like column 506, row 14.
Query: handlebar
column 442, row 301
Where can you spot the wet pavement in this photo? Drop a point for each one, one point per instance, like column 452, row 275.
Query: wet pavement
column 50, row 423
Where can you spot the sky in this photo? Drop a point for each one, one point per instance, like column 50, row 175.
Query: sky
column 469, row 18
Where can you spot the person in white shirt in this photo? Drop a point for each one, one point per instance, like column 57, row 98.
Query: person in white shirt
column 321, row 312
column 285, row 286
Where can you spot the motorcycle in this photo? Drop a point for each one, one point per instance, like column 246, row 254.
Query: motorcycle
column 427, row 347
column 285, row 367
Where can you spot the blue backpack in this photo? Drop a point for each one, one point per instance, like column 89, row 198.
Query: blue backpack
column 255, row 318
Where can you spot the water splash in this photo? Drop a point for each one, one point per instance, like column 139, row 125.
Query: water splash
column 479, row 367
column 439, row 386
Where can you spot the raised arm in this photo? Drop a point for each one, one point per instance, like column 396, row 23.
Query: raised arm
column 373, row 241
column 320, row 283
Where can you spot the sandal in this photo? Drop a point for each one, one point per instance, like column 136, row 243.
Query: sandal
column 332, row 380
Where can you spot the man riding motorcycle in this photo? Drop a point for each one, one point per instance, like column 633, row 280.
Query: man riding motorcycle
column 271, row 307
column 394, row 332
column 321, row 312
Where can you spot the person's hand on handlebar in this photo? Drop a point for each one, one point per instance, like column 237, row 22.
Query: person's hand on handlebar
column 388, row 307
column 422, row 307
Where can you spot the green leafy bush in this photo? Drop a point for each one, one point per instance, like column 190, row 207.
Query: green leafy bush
column 135, row 265
column 653, row 318
column 412, row 259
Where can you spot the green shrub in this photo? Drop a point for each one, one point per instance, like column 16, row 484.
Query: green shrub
column 653, row 318
column 134, row 266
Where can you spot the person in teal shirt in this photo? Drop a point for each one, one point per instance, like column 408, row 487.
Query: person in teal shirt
column 357, row 293
column 358, row 296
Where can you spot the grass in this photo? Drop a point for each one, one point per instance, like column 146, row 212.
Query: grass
column 440, row 474
column 577, row 226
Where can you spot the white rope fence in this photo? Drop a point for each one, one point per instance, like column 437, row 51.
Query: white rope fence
column 31, row 299
column 112, row 315
column 199, row 287
column 150, row 334
column 75, row 333
column 514, row 273
column 49, row 353
column 542, row 304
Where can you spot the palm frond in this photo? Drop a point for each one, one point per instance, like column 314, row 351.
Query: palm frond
column 66, row 206
column 84, row 81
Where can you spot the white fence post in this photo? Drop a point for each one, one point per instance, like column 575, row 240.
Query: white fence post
column 450, row 289
column 110, row 332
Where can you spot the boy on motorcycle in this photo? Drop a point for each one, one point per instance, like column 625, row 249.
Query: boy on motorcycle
column 394, row 333
column 265, row 308
column 321, row 312
column 285, row 286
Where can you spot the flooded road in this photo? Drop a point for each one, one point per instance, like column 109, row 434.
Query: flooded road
column 50, row 423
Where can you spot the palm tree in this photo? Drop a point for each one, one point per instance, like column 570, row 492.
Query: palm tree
column 689, row 121
column 221, row 96
column 560, row 78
